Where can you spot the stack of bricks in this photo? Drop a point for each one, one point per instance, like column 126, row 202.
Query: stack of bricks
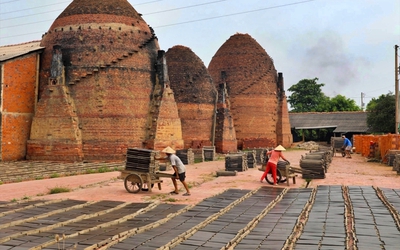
column 236, row 162
column 141, row 160
column 251, row 159
column 209, row 153
column 186, row 156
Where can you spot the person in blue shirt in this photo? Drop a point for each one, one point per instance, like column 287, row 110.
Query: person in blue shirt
column 347, row 146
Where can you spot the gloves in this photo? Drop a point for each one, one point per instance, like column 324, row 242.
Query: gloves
column 288, row 162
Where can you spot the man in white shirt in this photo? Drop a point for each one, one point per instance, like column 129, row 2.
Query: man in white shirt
column 179, row 168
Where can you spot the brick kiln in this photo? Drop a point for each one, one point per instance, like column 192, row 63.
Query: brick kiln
column 104, row 86
column 195, row 95
column 98, row 84
column 257, row 99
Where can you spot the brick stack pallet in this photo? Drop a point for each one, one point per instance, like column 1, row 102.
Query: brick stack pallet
column 186, row 156
column 337, row 143
column 251, row 159
column 236, row 162
column 209, row 153
column 281, row 166
column 313, row 169
column 391, row 156
column 261, row 158
column 141, row 160
column 396, row 163
column 314, row 165
column 198, row 154
column 326, row 156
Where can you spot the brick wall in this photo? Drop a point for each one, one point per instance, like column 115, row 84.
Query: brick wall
column 383, row 143
column 252, row 83
column 18, row 104
column 195, row 95
column 109, row 63
column 169, row 130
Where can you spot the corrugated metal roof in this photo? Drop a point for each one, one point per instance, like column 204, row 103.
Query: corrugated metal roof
column 343, row 122
column 12, row 51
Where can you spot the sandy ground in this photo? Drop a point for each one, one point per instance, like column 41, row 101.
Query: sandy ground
column 202, row 180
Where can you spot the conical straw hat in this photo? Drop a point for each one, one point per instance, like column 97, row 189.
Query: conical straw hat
column 280, row 148
column 168, row 150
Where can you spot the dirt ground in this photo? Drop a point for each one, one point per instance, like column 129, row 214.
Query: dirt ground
column 202, row 180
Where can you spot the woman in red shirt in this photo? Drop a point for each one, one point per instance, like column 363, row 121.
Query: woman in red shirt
column 274, row 156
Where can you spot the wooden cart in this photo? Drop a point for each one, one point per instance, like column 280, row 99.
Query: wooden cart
column 142, row 170
column 284, row 172
column 135, row 181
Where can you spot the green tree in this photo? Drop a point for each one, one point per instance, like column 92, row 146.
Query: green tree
column 307, row 96
column 381, row 113
column 341, row 103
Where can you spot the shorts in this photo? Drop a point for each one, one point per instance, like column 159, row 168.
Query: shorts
column 182, row 176
column 349, row 148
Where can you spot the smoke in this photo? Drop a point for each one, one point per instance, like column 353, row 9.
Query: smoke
column 328, row 59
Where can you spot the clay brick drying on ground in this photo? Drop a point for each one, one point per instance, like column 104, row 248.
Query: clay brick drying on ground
column 354, row 207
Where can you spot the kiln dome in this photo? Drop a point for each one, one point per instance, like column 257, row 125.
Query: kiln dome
column 98, row 103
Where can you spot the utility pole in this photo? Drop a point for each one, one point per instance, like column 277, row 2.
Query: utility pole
column 362, row 101
column 396, row 84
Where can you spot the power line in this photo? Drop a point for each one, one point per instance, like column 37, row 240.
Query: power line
column 174, row 24
column 9, row 2
column 31, row 15
column 185, row 7
column 137, row 4
column 237, row 13
column 151, row 13
column 377, row 89
column 17, row 25
column 32, row 8
column 58, row 10
column 32, row 33
column 49, row 20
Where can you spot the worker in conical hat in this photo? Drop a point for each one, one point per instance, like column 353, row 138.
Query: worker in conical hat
column 179, row 170
column 168, row 150
column 274, row 156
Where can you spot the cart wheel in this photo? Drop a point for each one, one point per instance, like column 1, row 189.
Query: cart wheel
column 133, row 183
column 343, row 154
column 269, row 178
column 145, row 187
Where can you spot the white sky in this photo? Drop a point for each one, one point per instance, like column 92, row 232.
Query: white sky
column 347, row 44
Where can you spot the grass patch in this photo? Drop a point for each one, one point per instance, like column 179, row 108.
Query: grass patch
column 104, row 169
column 158, row 196
column 198, row 160
column 58, row 190
column 90, row 171
column 171, row 200
column 39, row 178
column 54, row 175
